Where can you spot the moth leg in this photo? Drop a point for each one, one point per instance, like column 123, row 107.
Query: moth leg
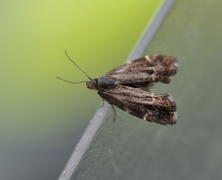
column 114, row 110
column 102, row 103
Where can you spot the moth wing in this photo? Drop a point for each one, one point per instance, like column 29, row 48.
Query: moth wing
column 159, row 108
column 157, row 68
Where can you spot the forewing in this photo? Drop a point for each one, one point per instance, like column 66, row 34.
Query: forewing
column 157, row 68
column 159, row 108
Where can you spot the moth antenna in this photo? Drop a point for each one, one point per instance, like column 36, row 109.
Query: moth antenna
column 77, row 66
column 70, row 81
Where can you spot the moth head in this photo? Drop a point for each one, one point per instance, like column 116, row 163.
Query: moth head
column 92, row 84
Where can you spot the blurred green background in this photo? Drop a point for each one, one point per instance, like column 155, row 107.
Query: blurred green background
column 42, row 118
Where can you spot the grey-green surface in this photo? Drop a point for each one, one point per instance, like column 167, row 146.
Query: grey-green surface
column 102, row 112
column 131, row 148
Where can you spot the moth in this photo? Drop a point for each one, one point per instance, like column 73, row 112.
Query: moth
column 127, row 87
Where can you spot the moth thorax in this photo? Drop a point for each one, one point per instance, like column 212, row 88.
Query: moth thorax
column 92, row 84
column 105, row 83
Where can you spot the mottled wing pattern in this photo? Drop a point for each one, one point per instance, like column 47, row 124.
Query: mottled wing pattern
column 159, row 108
column 157, row 68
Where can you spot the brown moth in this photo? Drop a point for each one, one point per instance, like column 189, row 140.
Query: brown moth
column 126, row 87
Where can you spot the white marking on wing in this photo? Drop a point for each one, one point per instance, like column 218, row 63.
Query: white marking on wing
column 145, row 117
column 148, row 58
column 170, row 98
